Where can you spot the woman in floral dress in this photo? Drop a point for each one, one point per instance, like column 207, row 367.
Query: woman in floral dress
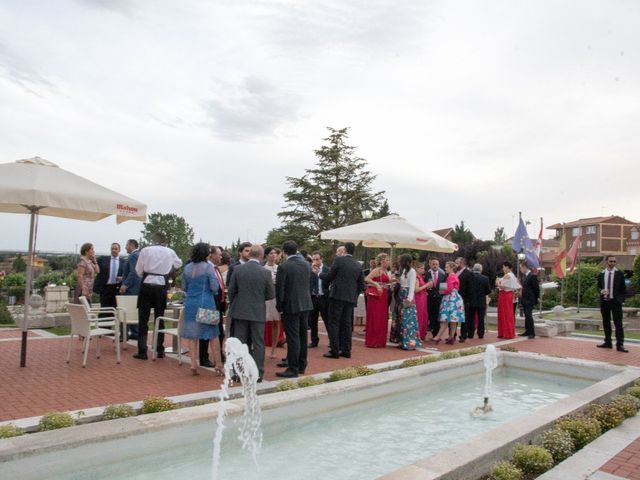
column 86, row 272
column 409, row 334
column 451, row 307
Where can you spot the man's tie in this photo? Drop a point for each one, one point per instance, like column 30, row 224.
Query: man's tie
column 221, row 284
column 609, row 285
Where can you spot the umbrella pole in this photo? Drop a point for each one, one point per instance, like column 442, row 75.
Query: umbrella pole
column 27, row 288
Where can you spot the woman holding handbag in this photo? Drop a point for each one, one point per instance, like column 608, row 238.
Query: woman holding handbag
column 201, row 316
column 377, row 306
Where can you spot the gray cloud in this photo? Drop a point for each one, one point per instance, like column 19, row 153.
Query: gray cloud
column 253, row 108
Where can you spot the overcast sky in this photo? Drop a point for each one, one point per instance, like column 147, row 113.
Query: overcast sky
column 466, row 110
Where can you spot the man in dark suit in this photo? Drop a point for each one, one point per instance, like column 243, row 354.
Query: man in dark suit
column 319, row 289
column 107, row 282
column 346, row 282
column 434, row 277
column 251, row 286
column 243, row 257
column 465, row 277
column 479, row 288
column 612, row 294
column 130, row 279
column 293, row 301
column 529, row 299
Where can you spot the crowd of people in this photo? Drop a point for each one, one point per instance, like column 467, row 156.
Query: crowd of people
column 279, row 294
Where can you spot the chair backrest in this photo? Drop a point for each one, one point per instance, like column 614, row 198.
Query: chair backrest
column 85, row 303
column 130, row 305
column 80, row 323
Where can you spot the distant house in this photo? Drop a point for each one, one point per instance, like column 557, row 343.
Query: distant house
column 38, row 264
column 600, row 236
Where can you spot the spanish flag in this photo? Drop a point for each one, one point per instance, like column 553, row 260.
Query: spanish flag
column 561, row 260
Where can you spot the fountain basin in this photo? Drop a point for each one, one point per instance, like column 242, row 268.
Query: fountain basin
column 175, row 442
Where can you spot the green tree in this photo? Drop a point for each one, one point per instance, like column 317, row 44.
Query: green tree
column 179, row 233
column 461, row 235
column 330, row 195
column 19, row 265
column 635, row 279
column 499, row 237
column 589, row 296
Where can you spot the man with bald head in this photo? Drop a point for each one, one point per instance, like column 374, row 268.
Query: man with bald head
column 251, row 286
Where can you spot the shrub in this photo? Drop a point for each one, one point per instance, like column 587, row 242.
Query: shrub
column 628, row 405
column 55, row 420
column 343, row 374
column 471, row 351
column 637, row 383
column 448, row 355
column 153, row 404
column 505, row 471
column 414, row 362
column 608, row 415
column 10, row 430
column 559, row 444
column 5, row 315
column 286, row 385
column 532, row 459
column 507, row 348
column 363, row 370
column 635, row 391
column 582, row 429
column 309, row 382
column 118, row 411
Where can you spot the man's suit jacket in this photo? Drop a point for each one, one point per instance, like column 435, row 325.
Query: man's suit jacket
column 130, row 278
column 105, row 270
column 530, row 290
column 345, row 278
column 465, row 277
column 292, row 285
column 434, row 293
column 251, row 286
column 478, row 291
column 619, row 287
column 313, row 286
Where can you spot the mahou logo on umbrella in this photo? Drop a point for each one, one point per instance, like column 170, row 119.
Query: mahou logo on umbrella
column 126, row 208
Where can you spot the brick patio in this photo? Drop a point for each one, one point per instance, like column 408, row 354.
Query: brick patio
column 626, row 464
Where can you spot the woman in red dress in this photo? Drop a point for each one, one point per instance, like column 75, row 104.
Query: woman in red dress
column 420, row 297
column 377, row 307
column 507, row 286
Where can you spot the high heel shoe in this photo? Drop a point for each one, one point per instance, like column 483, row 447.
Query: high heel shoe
column 436, row 340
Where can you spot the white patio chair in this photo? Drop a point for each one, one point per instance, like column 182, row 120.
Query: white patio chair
column 85, row 327
column 127, row 308
column 176, row 331
column 94, row 314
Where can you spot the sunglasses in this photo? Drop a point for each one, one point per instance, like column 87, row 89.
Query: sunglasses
column 612, row 261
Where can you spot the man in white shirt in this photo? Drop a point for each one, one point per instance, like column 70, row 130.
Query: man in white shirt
column 154, row 264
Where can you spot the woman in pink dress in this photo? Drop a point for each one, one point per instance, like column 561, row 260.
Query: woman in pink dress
column 377, row 308
column 420, row 297
column 507, row 286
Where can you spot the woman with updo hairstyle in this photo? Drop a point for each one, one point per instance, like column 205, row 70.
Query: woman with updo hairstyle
column 377, row 307
column 507, row 285
column 86, row 271
column 451, row 306
column 409, row 332
column 200, row 284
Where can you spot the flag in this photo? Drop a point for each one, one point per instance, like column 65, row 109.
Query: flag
column 522, row 243
column 538, row 247
column 561, row 260
column 572, row 254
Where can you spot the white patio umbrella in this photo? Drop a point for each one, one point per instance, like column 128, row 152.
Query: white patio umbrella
column 391, row 231
column 39, row 187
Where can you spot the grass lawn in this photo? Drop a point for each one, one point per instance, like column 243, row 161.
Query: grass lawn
column 632, row 335
column 59, row 330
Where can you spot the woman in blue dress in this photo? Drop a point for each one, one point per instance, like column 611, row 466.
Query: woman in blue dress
column 200, row 283
column 409, row 333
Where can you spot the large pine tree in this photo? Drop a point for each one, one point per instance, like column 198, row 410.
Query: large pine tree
column 332, row 194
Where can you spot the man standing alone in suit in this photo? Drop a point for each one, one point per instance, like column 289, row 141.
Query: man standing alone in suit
column 529, row 299
column 318, row 297
column 251, row 286
column 346, row 283
column 612, row 293
column 293, row 301
column 107, row 281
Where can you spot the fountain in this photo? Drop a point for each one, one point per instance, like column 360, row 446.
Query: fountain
column 490, row 359
column 239, row 362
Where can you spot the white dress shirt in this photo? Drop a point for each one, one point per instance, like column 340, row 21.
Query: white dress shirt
column 159, row 260
column 409, row 281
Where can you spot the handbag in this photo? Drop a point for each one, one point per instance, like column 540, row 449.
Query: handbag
column 372, row 291
column 207, row 316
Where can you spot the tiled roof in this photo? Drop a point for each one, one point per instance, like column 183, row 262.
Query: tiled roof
column 588, row 221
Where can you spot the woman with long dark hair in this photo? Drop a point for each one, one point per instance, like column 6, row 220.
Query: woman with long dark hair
column 409, row 333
